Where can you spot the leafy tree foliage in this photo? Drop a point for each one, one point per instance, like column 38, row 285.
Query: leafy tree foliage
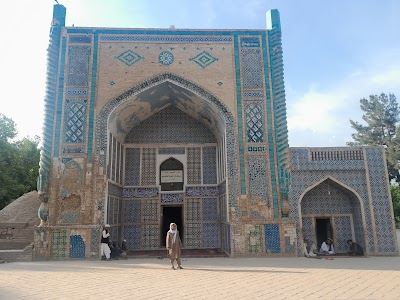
column 8, row 129
column 395, row 191
column 19, row 163
column 382, row 115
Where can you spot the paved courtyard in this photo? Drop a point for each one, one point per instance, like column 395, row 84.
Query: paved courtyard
column 204, row 278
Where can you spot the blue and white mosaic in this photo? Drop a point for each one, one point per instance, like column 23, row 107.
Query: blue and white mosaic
column 78, row 62
column 166, row 58
column 76, row 247
column 254, row 121
column 272, row 238
column 169, row 198
column 140, row 192
column 75, row 121
column 209, row 165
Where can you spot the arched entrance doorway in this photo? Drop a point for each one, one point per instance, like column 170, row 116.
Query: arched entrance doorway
column 329, row 209
column 166, row 155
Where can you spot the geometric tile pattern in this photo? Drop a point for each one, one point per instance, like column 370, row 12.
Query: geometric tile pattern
column 204, row 59
column 272, row 238
column 132, row 235
column 254, row 121
column 149, row 211
column 252, row 68
column 132, row 166
column 255, row 240
column 168, row 39
column 170, row 125
column 132, row 211
column 210, row 209
column 193, row 209
column 171, row 150
column 59, row 244
column 114, row 158
column 118, row 176
column 77, row 92
column 210, row 235
column 325, row 199
column 75, row 120
column 258, row 177
column 209, row 165
column 166, row 58
column 95, row 242
column 149, row 166
column 308, row 230
column 80, row 39
column 76, row 247
column 385, row 233
column 78, row 62
column 129, row 57
column 150, row 236
column 193, row 235
column 194, row 165
column 253, row 95
column 351, row 172
column 342, row 233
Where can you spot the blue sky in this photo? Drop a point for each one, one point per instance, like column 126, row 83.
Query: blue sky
column 334, row 53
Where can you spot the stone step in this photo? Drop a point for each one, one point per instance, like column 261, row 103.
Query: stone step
column 14, row 244
column 25, row 254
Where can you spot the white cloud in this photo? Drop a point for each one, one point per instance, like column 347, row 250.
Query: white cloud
column 320, row 117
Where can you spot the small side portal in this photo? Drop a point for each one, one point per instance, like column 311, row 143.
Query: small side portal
column 323, row 230
column 171, row 214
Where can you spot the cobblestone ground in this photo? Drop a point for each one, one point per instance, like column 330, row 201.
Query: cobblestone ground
column 204, row 278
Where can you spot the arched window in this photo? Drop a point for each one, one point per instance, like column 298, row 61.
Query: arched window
column 171, row 175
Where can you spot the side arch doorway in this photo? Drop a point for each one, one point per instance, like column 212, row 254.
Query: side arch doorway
column 329, row 209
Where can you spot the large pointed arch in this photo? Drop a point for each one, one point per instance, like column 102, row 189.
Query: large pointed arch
column 203, row 95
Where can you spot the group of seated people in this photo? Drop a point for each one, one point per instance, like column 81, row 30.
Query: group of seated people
column 118, row 252
column 327, row 248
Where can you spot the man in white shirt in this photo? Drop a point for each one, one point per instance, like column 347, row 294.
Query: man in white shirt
column 327, row 247
column 105, row 240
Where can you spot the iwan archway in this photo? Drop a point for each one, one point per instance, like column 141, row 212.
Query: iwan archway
column 169, row 153
column 330, row 209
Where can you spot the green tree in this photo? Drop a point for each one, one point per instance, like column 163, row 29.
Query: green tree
column 395, row 191
column 381, row 114
column 19, row 163
column 8, row 129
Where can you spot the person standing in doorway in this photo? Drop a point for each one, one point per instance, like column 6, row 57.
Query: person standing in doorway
column 174, row 245
column 105, row 241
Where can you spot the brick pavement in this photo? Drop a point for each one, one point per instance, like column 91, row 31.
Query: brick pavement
column 204, row 278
